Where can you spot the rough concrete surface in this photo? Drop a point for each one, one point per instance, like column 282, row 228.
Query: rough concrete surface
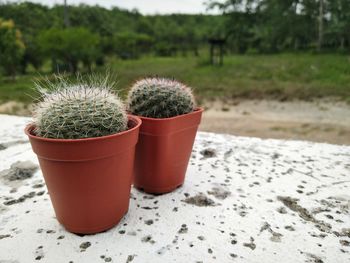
column 244, row 200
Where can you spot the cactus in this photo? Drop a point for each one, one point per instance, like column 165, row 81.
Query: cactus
column 73, row 111
column 160, row 98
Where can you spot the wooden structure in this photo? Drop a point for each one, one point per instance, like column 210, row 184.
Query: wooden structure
column 217, row 51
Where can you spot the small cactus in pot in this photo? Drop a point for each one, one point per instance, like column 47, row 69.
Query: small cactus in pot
column 75, row 111
column 170, row 120
column 85, row 143
column 160, row 98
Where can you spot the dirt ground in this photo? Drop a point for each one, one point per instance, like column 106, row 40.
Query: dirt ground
column 319, row 121
column 15, row 108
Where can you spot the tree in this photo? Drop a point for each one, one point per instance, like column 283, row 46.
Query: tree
column 69, row 47
column 254, row 26
column 128, row 45
column 339, row 23
column 320, row 25
column 30, row 19
column 280, row 25
column 11, row 47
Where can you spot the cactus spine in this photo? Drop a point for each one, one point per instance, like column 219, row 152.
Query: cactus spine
column 73, row 111
column 160, row 98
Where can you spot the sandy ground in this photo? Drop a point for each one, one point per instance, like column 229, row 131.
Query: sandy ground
column 15, row 108
column 320, row 121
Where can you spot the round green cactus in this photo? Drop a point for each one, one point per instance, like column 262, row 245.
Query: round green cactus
column 74, row 111
column 160, row 98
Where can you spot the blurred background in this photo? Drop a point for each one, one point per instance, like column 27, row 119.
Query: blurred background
column 263, row 68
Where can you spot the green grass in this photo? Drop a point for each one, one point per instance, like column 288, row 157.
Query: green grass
column 284, row 76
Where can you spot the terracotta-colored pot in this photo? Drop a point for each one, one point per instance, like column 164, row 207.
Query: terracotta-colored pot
column 163, row 151
column 88, row 180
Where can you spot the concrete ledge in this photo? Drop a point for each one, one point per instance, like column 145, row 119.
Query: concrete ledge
column 244, row 200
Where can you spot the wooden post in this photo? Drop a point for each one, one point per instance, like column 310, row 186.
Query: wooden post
column 217, row 51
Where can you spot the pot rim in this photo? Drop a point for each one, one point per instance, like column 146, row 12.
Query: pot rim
column 195, row 111
column 29, row 128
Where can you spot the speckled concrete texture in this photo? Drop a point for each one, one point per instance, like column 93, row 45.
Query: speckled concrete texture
column 244, row 200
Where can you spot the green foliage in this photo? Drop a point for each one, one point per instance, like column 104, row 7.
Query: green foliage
column 131, row 45
column 70, row 46
column 164, row 49
column 160, row 98
column 264, row 26
column 338, row 27
column 30, row 19
column 271, row 26
column 127, row 34
column 33, row 55
column 83, row 110
column 11, row 47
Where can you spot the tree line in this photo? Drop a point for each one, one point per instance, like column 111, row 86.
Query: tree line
column 84, row 36
column 267, row 26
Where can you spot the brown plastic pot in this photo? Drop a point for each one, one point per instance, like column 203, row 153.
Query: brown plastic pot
column 88, row 180
column 163, row 151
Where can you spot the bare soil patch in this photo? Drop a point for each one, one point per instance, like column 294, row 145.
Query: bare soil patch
column 322, row 120
column 319, row 121
column 15, row 108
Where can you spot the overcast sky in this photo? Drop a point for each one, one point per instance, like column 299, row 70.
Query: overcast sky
column 144, row 6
